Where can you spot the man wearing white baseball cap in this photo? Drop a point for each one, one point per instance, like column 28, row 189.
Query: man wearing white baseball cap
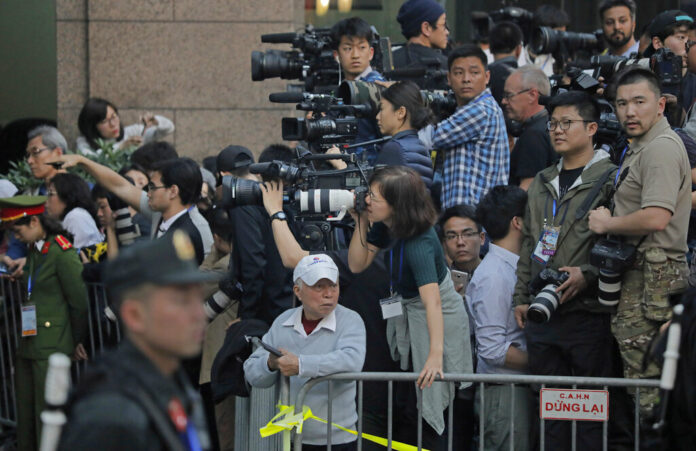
column 316, row 339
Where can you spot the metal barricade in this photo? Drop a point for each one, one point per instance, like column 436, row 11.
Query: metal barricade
column 481, row 380
column 104, row 333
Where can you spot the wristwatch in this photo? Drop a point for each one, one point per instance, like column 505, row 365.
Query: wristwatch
column 280, row 215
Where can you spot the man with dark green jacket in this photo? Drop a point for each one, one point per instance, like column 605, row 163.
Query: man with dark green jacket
column 576, row 339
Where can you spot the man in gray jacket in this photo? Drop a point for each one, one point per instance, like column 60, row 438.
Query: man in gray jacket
column 316, row 339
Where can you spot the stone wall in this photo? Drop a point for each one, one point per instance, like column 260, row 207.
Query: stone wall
column 188, row 60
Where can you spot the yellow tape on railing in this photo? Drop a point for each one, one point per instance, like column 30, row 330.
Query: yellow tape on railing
column 286, row 420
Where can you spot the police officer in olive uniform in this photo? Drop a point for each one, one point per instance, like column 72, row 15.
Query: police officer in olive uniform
column 53, row 313
column 138, row 397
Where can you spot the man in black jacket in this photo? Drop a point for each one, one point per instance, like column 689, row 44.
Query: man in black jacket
column 255, row 262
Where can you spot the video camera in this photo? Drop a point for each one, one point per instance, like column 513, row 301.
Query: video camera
column 483, row 22
column 313, row 62
column 664, row 63
column 367, row 94
column 563, row 45
column 313, row 195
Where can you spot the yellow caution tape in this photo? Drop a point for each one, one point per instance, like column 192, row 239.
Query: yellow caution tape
column 286, row 420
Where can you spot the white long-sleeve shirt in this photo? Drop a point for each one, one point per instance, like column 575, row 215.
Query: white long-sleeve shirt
column 163, row 128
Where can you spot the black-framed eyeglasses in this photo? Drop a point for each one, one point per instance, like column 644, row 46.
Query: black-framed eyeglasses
column 509, row 95
column 35, row 152
column 565, row 125
column 152, row 187
column 466, row 235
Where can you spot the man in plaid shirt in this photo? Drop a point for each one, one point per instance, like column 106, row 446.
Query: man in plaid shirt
column 474, row 139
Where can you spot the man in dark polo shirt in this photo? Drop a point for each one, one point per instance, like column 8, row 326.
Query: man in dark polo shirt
column 532, row 152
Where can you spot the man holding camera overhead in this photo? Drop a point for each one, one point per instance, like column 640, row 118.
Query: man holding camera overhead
column 567, row 329
column 651, row 216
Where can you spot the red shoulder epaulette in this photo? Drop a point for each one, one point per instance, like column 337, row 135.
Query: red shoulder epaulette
column 63, row 242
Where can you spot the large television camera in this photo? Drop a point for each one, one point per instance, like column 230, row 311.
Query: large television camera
column 312, row 60
column 367, row 94
column 319, row 198
column 565, row 45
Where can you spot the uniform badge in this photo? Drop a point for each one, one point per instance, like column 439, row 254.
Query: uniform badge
column 44, row 249
column 63, row 242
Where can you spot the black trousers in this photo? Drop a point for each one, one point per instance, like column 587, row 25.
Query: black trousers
column 577, row 344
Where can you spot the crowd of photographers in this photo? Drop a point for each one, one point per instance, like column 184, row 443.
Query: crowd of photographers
column 536, row 219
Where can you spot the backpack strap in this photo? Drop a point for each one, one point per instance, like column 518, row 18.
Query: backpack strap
column 587, row 203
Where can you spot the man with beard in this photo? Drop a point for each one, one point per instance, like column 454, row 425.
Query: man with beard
column 619, row 23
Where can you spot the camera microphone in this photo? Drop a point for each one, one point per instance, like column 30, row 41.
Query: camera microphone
column 286, row 97
column 279, row 38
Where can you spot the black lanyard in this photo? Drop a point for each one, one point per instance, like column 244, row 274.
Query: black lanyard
column 391, row 268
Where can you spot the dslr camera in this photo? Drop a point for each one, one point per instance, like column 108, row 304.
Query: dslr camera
column 612, row 257
column 546, row 299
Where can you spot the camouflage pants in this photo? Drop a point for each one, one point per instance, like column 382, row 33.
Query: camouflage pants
column 644, row 306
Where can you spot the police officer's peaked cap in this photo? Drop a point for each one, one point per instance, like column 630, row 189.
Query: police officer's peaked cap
column 169, row 260
column 13, row 208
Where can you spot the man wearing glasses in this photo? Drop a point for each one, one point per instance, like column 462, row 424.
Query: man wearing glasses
column 532, row 152
column 45, row 143
column 576, row 339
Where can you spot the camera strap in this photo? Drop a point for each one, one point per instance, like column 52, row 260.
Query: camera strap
column 592, row 195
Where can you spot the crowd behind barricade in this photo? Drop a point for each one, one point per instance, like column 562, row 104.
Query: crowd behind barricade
column 542, row 225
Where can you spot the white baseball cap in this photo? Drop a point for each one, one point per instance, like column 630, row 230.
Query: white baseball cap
column 312, row 268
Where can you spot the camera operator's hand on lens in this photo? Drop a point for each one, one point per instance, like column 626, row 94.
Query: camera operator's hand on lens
column 598, row 220
column 521, row 315
column 272, row 193
column 575, row 284
column 432, row 367
column 337, row 164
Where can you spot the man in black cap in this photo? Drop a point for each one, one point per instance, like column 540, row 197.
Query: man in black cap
column 138, row 397
column 670, row 29
column 424, row 25
column 234, row 161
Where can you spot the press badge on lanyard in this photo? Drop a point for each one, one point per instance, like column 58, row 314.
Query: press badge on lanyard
column 29, row 315
column 391, row 306
column 548, row 241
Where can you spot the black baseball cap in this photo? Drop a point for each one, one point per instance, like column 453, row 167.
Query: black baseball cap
column 169, row 260
column 234, row 157
column 666, row 19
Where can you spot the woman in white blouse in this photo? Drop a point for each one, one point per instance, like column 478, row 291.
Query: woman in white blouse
column 99, row 119
column 69, row 201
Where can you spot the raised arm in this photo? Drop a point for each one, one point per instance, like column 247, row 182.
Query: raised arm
column 106, row 177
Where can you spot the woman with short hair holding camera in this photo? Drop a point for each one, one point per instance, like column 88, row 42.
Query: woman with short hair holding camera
column 401, row 115
column 423, row 307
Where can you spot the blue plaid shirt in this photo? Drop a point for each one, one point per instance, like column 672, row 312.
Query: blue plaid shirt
column 476, row 153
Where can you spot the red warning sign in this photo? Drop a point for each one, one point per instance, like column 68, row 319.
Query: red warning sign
column 583, row 405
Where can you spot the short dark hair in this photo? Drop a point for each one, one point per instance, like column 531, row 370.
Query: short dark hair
column 586, row 105
column 459, row 211
column 353, row 27
column 407, row 94
column 279, row 152
column 505, row 37
column 93, row 112
column 185, row 174
column 221, row 224
column 402, row 188
column 151, row 154
column 634, row 74
column 99, row 192
column 75, row 193
column 132, row 167
column 497, row 208
column 466, row 51
column 608, row 4
column 550, row 16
